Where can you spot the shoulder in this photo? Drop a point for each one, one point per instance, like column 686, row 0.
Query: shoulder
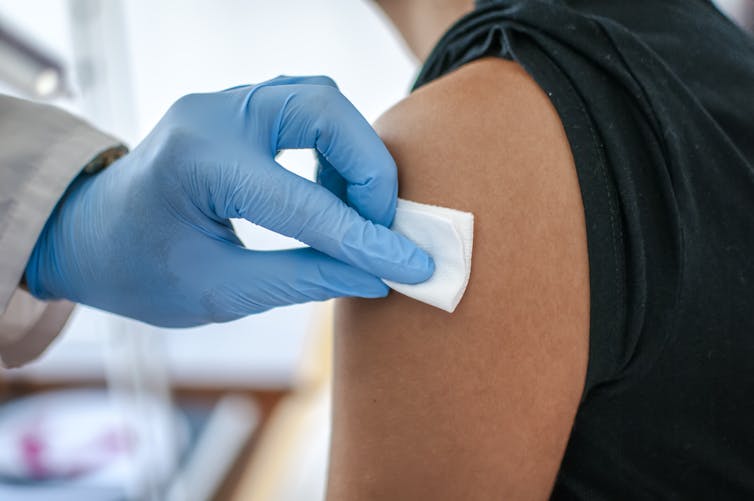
column 490, row 127
column 486, row 139
column 477, row 85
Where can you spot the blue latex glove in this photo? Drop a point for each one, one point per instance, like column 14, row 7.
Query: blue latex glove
column 150, row 238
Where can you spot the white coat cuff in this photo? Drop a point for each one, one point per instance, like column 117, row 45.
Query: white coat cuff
column 44, row 150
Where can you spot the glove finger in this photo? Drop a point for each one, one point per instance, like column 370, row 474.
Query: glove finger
column 261, row 280
column 320, row 117
column 328, row 177
column 288, row 204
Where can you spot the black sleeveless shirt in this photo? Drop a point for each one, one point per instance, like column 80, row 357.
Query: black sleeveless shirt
column 657, row 100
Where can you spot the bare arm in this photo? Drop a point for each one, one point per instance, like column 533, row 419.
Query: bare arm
column 477, row 404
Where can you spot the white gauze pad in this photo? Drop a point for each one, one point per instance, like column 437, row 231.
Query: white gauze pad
column 446, row 235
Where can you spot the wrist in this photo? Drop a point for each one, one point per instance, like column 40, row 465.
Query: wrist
column 36, row 267
column 44, row 276
column 46, row 273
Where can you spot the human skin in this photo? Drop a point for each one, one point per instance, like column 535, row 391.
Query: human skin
column 422, row 22
column 477, row 404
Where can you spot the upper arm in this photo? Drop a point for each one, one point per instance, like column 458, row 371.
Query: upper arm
column 477, row 404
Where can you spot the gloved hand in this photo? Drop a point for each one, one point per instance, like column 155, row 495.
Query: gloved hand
column 150, row 238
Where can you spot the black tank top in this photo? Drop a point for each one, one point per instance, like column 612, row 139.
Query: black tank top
column 657, row 100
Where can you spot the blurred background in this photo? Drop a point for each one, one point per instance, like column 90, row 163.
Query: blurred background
column 120, row 410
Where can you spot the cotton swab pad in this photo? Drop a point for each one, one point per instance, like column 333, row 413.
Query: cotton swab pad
column 447, row 236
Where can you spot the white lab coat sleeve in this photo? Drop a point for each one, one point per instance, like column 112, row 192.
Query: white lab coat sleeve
column 42, row 149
